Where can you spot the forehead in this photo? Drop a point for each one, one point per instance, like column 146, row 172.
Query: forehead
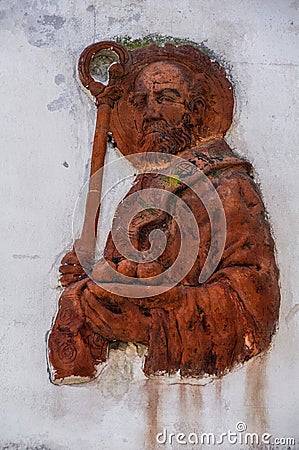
column 161, row 73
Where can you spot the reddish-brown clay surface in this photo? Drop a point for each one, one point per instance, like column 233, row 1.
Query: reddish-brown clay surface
column 172, row 100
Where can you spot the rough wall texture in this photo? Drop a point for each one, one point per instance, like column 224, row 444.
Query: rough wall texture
column 47, row 131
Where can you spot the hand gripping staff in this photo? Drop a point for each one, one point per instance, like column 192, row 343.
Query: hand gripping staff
column 106, row 96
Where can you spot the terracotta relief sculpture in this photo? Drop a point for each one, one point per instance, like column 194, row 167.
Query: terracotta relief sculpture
column 168, row 101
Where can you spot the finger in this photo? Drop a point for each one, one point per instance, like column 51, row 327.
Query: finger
column 99, row 327
column 130, row 325
column 68, row 279
column 75, row 288
column 101, row 310
column 99, row 291
column 71, row 269
column 70, row 258
column 98, row 321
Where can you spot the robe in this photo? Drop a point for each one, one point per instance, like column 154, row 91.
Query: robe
column 194, row 328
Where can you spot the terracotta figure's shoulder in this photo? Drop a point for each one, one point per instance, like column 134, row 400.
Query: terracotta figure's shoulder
column 216, row 155
column 235, row 184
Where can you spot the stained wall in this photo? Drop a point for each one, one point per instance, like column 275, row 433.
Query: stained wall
column 46, row 138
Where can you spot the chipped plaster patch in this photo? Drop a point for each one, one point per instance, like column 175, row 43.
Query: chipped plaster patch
column 52, row 20
column 59, row 79
column 64, row 101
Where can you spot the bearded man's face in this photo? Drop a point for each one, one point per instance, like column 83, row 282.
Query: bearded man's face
column 161, row 115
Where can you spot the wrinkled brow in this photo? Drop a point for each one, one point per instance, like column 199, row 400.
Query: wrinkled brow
column 170, row 91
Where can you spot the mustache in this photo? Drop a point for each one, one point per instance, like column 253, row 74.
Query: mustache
column 160, row 136
column 155, row 126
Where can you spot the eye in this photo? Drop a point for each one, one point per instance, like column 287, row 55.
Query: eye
column 139, row 100
column 165, row 98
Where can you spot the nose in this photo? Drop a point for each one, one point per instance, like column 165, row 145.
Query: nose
column 152, row 109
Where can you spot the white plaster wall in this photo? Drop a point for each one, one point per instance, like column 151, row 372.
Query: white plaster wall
column 46, row 121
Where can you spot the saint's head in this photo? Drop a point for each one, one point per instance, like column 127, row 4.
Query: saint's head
column 164, row 99
column 163, row 115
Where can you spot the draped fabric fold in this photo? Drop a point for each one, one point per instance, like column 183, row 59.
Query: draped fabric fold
column 194, row 329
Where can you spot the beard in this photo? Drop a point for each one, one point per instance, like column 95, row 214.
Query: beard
column 159, row 136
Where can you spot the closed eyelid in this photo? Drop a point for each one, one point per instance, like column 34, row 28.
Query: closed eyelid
column 138, row 98
column 168, row 91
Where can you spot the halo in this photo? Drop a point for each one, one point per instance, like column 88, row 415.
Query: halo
column 217, row 117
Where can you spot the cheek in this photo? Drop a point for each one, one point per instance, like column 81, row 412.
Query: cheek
column 173, row 113
column 138, row 119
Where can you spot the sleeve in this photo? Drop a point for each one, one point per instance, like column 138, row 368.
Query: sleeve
column 208, row 328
